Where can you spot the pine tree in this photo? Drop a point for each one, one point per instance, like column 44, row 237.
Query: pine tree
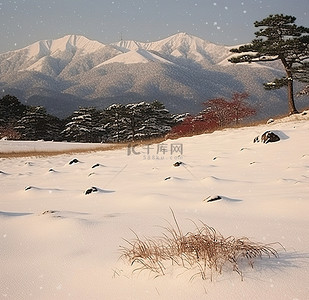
column 84, row 126
column 159, row 120
column 278, row 39
column 148, row 120
column 115, row 125
column 37, row 124
column 136, row 121
column 11, row 110
column 135, row 115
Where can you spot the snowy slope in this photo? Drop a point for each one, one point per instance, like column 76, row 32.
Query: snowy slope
column 139, row 56
column 182, row 45
column 58, row 243
column 69, row 43
column 49, row 54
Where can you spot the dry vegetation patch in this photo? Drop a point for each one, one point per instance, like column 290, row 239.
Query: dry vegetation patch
column 48, row 153
column 205, row 249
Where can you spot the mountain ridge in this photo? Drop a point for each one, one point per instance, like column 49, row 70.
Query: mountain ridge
column 182, row 71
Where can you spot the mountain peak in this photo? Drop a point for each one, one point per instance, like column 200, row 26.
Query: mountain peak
column 67, row 43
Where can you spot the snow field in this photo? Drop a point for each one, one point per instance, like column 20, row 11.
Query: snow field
column 58, row 243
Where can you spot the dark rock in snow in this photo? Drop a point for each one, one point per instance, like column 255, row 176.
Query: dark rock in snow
column 27, row 188
column 267, row 137
column 167, row 178
column 74, row 161
column 95, row 166
column 212, row 198
column 91, row 190
column 48, row 212
column 177, row 163
column 256, row 139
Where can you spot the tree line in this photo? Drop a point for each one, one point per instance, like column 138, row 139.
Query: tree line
column 116, row 123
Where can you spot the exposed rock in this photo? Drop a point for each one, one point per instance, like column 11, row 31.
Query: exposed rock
column 177, row 163
column 91, row 190
column 212, row 198
column 48, row 212
column 256, row 139
column 95, row 166
column 74, row 161
column 267, row 137
column 270, row 121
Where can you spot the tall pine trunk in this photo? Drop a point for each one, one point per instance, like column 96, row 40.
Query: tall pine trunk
column 290, row 87
column 292, row 108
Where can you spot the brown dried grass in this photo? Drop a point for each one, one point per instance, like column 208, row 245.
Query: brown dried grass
column 47, row 153
column 90, row 149
column 205, row 249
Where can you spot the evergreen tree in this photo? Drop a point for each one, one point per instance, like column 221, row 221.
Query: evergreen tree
column 147, row 120
column 278, row 39
column 115, row 124
column 136, row 121
column 159, row 120
column 84, row 126
column 11, row 110
column 37, row 124
column 135, row 115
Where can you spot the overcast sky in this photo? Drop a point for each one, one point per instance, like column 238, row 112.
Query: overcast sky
column 227, row 22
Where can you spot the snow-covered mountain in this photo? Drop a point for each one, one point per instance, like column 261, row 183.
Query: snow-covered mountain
column 181, row 45
column 182, row 71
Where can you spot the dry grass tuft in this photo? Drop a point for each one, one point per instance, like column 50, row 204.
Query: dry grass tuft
column 205, row 249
